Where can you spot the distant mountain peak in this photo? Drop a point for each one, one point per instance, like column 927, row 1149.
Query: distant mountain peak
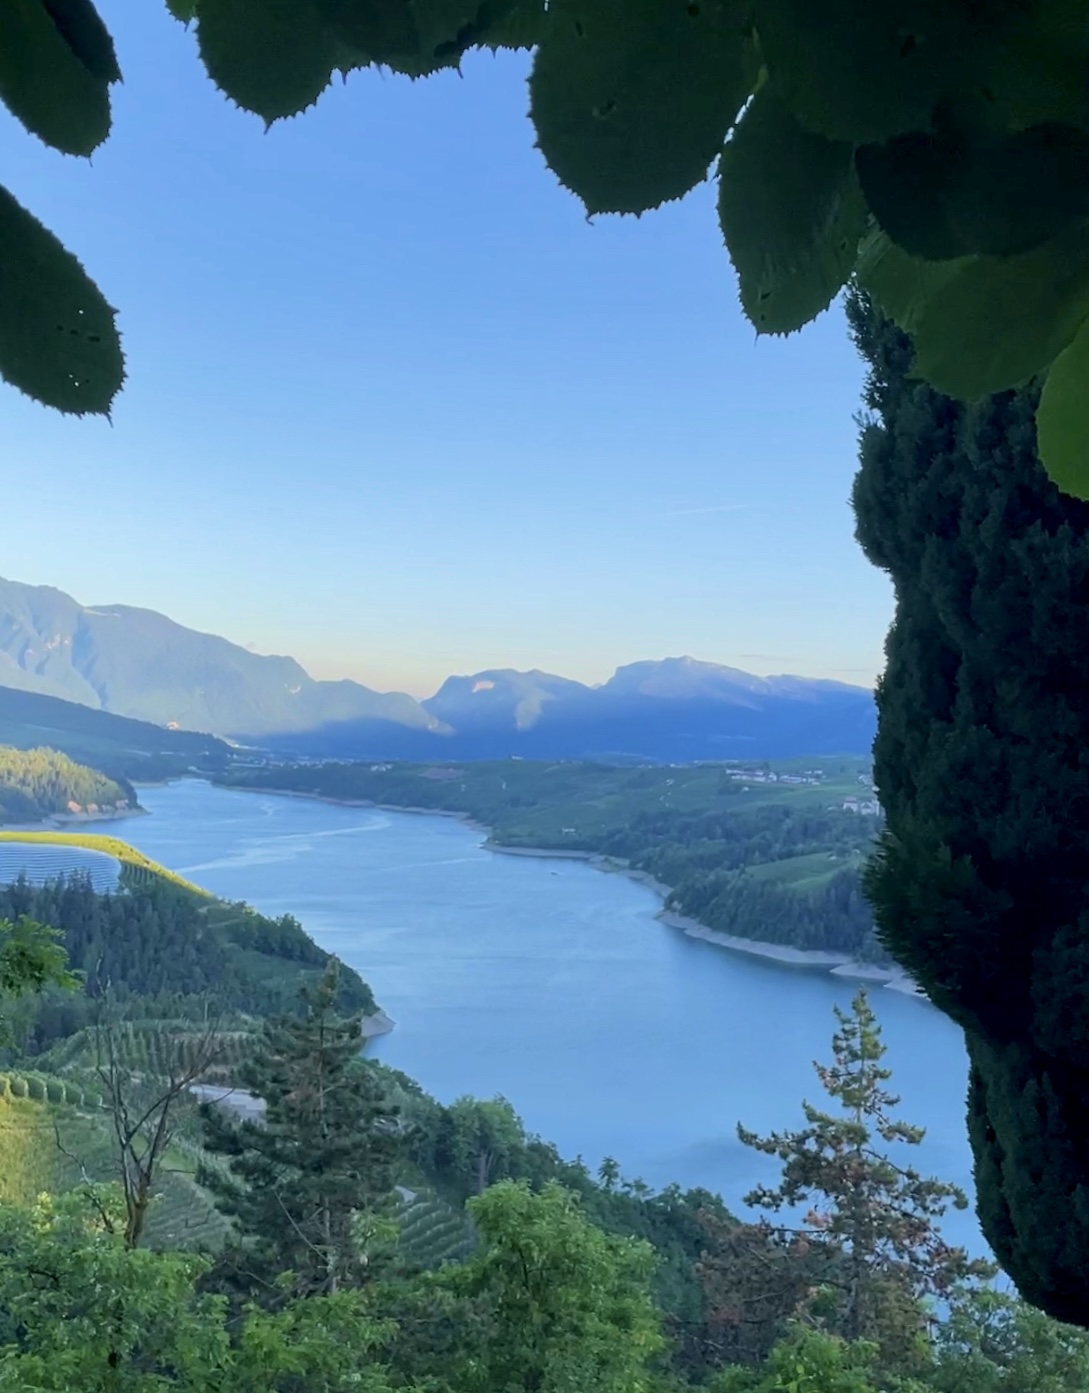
column 137, row 663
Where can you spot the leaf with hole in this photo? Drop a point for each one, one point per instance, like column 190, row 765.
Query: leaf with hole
column 791, row 214
column 45, row 85
column 1062, row 418
column 272, row 57
column 58, row 340
column 632, row 99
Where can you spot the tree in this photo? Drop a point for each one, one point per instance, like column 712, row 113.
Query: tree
column 81, row 1310
column 31, row 959
column 307, row 1184
column 478, row 1141
column 807, row 1361
column 982, row 761
column 874, row 1220
column 941, row 151
column 992, row 1343
column 563, row 1307
column 144, row 1117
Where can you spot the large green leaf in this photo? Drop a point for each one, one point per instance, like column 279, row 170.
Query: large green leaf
column 949, row 195
column 58, row 340
column 632, row 99
column 791, row 214
column 998, row 321
column 83, row 31
column 184, row 10
column 521, row 27
column 43, row 83
column 272, row 57
column 900, row 284
column 379, row 28
column 1062, row 418
column 1034, row 69
column 867, row 70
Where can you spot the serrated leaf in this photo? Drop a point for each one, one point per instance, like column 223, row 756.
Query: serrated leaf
column 1034, row 69
column 58, row 340
column 45, row 85
column 375, row 27
column 791, row 214
column 1062, row 418
column 272, row 57
column 900, row 284
column 520, row 28
column 183, row 10
column 947, row 195
column 632, row 99
column 446, row 30
column 865, row 72
column 996, row 321
column 82, row 29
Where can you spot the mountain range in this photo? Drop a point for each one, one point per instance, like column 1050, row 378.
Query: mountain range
column 139, row 664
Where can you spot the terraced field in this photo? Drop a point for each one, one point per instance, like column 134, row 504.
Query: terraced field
column 48, row 1145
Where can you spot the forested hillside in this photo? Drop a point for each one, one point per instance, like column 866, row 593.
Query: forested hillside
column 34, row 784
column 121, row 748
column 161, row 951
column 770, row 852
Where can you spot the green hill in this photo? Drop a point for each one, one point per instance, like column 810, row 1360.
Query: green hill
column 40, row 783
column 121, row 748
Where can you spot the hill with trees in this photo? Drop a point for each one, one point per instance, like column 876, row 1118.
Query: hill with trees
column 120, row 748
column 36, row 784
column 771, row 852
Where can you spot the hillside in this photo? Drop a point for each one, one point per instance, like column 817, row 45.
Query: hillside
column 159, row 946
column 121, row 748
column 136, row 663
column 769, row 853
column 41, row 783
column 141, row 665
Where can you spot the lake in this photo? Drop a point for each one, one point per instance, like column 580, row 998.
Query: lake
column 553, row 984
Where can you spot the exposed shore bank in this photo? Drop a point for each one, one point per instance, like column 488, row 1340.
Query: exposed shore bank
column 839, row 964
column 56, row 822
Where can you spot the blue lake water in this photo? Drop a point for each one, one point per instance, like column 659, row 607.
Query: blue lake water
column 555, row 985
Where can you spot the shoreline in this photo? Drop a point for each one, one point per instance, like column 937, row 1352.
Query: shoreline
column 805, row 959
column 56, row 822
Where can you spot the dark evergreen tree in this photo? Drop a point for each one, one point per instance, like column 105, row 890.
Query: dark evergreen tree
column 309, row 1183
column 981, row 883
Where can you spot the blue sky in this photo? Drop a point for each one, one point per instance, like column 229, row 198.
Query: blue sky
column 397, row 408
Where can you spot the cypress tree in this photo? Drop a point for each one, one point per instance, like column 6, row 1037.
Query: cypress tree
column 981, row 881
column 306, row 1181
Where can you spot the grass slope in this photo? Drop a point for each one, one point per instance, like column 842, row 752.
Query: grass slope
column 130, row 858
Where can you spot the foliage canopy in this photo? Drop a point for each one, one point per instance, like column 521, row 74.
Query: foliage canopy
column 939, row 149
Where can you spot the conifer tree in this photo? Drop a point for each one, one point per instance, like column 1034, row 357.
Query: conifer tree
column 980, row 887
column 874, row 1219
column 309, row 1181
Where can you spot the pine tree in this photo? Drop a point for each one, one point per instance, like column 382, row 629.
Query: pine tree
column 873, row 1219
column 308, row 1182
column 982, row 761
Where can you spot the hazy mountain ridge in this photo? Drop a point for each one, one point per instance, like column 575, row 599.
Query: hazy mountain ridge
column 138, row 663
column 142, row 665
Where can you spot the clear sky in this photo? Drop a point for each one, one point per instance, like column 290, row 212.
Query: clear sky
column 396, row 408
